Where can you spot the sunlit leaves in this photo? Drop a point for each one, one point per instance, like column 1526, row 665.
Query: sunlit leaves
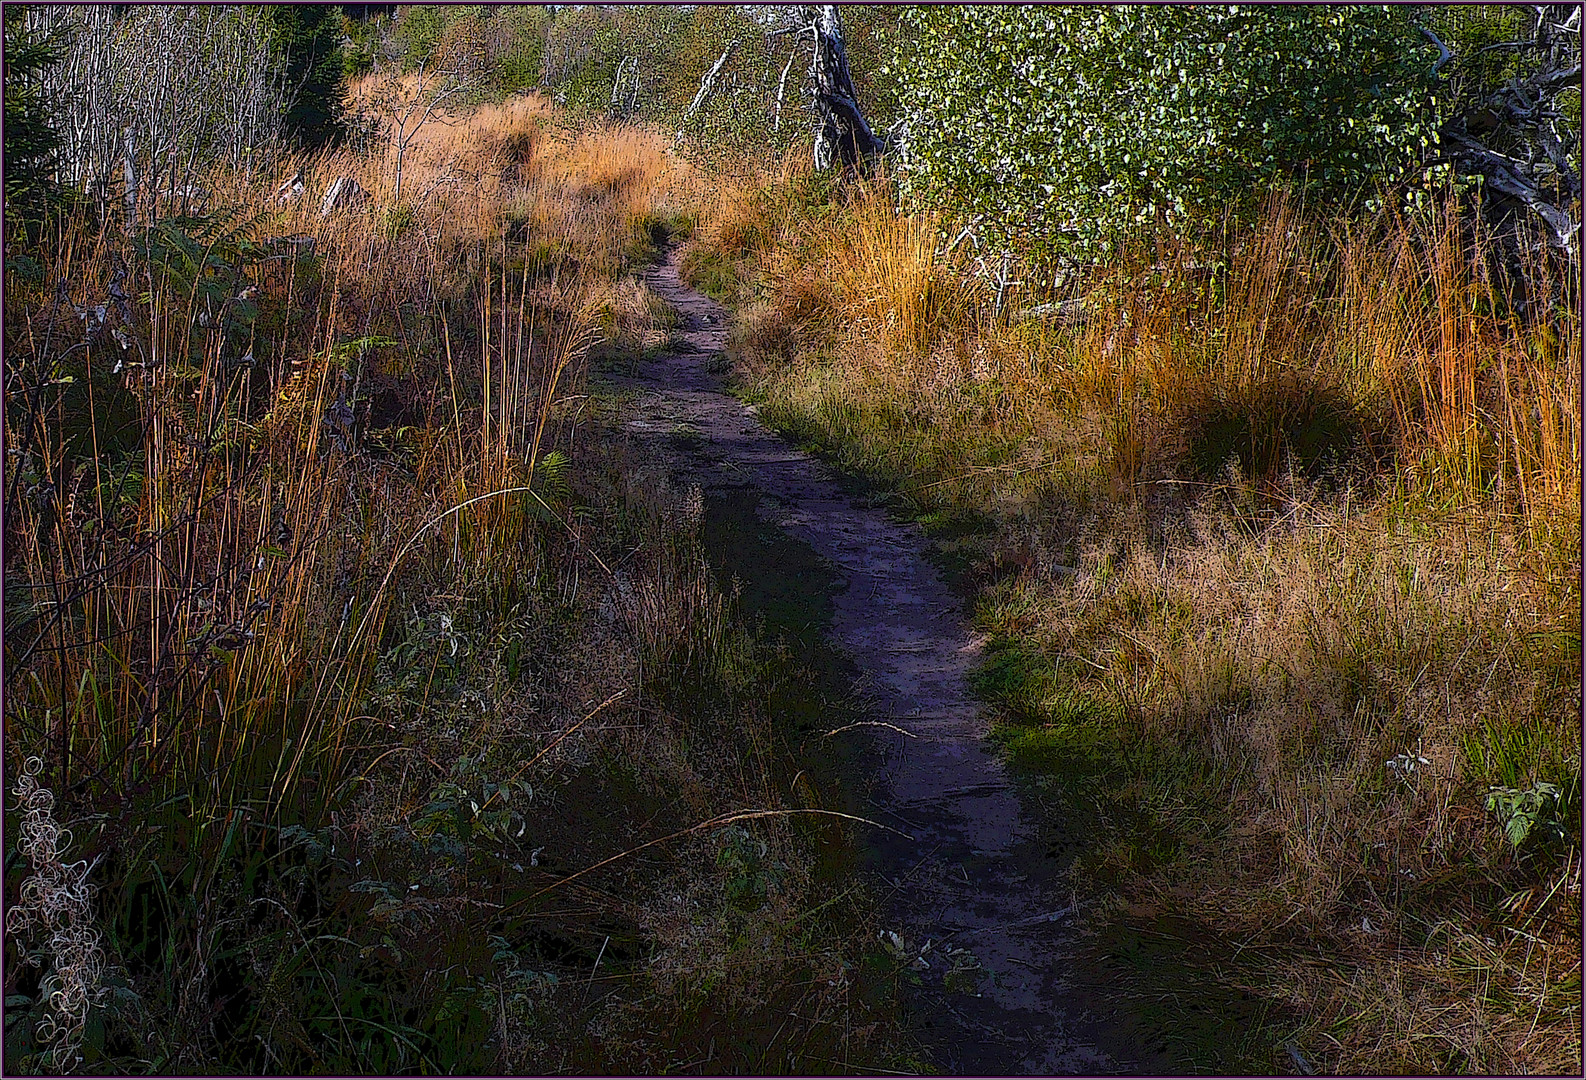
column 1065, row 127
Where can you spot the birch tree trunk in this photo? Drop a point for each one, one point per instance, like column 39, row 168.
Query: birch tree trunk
column 781, row 90
column 129, row 177
column 843, row 135
column 707, row 85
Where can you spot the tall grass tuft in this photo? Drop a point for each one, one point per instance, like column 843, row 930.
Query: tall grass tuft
column 243, row 445
column 1275, row 530
column 1478, row 367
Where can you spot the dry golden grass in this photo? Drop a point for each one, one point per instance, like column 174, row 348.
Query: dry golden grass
column 1306, row 333
column 210, row 600
column 341, row 562
column 1266, row 641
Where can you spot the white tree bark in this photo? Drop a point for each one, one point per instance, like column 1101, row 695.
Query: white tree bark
column 707, row 85
column 129, row 177
column 781, row 89
column 617, row 84
column 843, row 136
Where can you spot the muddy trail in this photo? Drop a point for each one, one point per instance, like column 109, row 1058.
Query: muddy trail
column 970, row 879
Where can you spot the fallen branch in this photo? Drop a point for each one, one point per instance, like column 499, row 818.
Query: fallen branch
column 1051, row 916
column 555, row 743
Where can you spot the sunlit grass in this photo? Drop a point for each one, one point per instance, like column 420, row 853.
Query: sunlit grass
column 1270, row 514
column 343, row 630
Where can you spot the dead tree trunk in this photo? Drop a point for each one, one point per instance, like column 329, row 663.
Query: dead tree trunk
column 707, row 85
column 843, row 136
column 1518, row 135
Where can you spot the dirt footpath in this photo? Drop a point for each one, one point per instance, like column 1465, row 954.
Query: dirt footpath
column 972, row 877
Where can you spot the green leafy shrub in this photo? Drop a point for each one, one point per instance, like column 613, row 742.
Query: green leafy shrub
column 1068, row 128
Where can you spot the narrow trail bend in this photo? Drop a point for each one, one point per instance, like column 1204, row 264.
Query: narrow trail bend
column 974, row 875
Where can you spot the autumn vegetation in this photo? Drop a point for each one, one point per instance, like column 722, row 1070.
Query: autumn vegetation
column 1272, row 521
column 382, row 711
column 1286, row 577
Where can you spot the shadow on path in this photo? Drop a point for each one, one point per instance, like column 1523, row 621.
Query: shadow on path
column 972, row 879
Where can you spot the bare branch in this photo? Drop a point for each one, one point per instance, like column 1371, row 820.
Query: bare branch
column 1443, row 54
column 708, row 83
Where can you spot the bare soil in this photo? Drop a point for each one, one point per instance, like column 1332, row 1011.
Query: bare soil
column 969, row 871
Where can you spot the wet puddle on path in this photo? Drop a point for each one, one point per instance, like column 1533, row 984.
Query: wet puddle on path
column 967, row 879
